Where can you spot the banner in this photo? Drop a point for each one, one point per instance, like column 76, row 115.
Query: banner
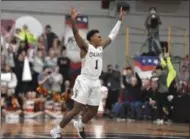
column 73, row 51
column 6, row 26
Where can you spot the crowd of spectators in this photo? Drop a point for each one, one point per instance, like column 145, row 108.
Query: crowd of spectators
column 49, row 90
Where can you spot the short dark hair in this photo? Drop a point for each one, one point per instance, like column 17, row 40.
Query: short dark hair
column 128, row 68
column 91, row 33
column 48, row 26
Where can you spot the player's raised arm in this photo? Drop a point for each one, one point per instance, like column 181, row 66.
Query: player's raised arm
column 114, row 32
column 79, row 40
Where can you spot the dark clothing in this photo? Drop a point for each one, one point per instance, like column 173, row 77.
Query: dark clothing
column 64, row 67
column 49, row 38
column 152, row 26
column 18, row 71
column 113, row 84
column 134, row 90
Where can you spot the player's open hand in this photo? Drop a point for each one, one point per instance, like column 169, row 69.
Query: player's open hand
column 122, row 14
column 74, row 13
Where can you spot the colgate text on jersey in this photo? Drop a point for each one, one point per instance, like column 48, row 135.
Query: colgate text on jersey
column 95, row 54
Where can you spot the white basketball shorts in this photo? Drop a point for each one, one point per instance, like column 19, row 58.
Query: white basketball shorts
column 87, row 91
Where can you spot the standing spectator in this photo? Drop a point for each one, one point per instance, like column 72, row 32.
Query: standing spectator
column 38, row 64
column 19, row 64
column 56, row 80
column 57, row 47
column 64, row 64
column 51, row 60
column 152, row 25
column 10, row 57
column 49, row 37
column 41, row 43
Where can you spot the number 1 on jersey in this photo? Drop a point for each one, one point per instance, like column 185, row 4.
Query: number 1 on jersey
column 96, row 67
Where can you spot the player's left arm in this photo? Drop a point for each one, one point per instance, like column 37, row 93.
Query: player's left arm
column 114, row 32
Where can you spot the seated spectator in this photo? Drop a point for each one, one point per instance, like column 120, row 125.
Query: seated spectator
column 56, row 80
column 67, row 86
column 146, row 91
column 43, row 81
column 122, row 107
column 11, row 85
column 29, row 105
column 152, row 106
column 51, row 60
column 56, row 107
column 11, row 106
column 136, row 105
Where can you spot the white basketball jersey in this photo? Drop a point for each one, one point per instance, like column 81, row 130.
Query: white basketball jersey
column 92, row 63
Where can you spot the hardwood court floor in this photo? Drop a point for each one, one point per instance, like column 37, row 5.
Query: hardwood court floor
column 97, row 128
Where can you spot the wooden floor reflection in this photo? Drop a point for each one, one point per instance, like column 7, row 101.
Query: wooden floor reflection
column 98, row 128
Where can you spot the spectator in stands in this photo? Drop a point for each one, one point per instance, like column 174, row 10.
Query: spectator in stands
column 11, row 85
column 184, row 77
column 57, row 47
column 29, row 105
column 146, row 91
column 49, row 37
column 43, row 81
column 66, row 86
column 122, row 107
column 64, row 64
column 26, row 35
column 114, row 86
column 11, row 105
column 152, row 25
column 166, row 75
column 19, row 65
column 38, row 64
column 135, row 89
column 10, row 56
column 154, row 103
column 41, row 44
column 56, row 80
column 51, row 60
column 55, row 108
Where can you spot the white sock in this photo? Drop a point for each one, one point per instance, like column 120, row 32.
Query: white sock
column 80, row 124
column 58, row 128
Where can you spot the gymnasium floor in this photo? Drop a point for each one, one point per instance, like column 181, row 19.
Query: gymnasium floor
column 102, row 128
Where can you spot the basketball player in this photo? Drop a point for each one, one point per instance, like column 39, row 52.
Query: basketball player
column 86, row 91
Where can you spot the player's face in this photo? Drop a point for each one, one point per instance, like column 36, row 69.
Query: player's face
column 96, row 39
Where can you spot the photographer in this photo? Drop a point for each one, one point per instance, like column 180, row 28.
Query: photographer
column 152, row 25
column 44, row 81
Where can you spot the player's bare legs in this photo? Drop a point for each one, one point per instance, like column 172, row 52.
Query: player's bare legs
column 71, row 114
column 56, row 132
column 89, row 114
